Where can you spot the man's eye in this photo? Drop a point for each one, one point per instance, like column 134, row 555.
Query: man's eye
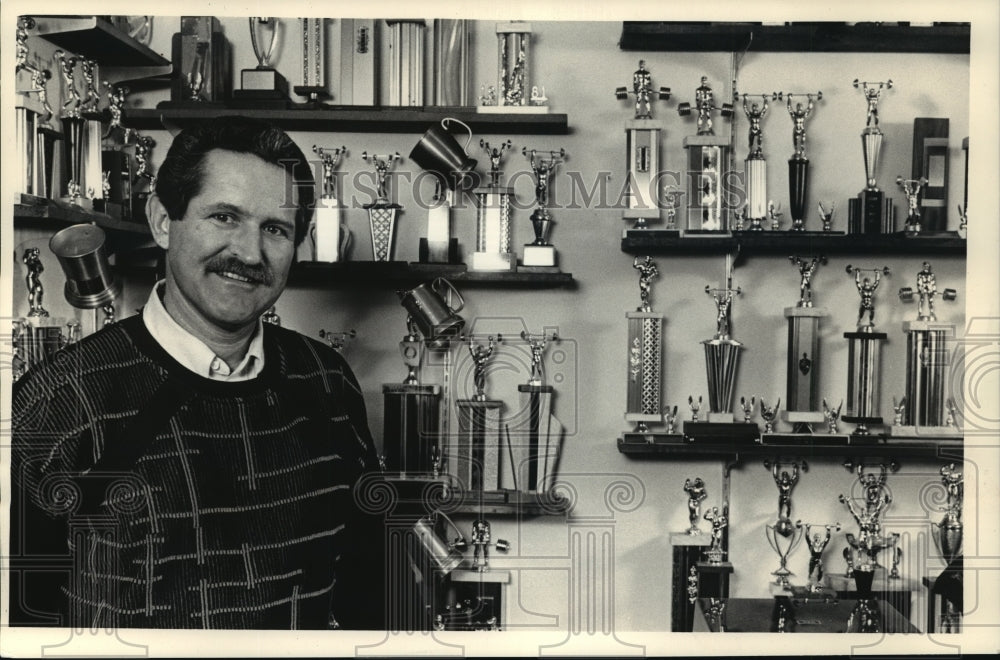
column 223, row 217
column 277, row 230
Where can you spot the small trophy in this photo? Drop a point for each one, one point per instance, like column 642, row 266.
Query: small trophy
column 927, row 360
column 479, row 424
column 514, row 91
column 802, row 371
column 747, row 407
column 826, row 217
column 784, row 532
column 832, row 416
column 543, row 165
column 768, row 414
column 328, row 238
column 871, row 212
column 756, row 166
column 382, row 214
column 642, row 149
column 708, row 164
column 913, row 189
column 412, row 413
column 863, row 355
column 263, row 86
column 817, row 543
column 536, row 453
column 864, row 547
column 719, row 520
column 337, row 339
column 481, row 540
column 493, row 204
column 798, row 164
column 645, row 354
column 696, row 493
column 313, row 85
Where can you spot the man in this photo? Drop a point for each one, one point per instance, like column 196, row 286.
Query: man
column 202, row 464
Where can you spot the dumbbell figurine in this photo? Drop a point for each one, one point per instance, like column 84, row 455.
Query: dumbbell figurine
column 704, row 100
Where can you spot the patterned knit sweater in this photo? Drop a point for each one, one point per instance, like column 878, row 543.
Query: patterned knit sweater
column 193, row 503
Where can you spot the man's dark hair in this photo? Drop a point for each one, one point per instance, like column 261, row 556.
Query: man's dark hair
column 180, row 177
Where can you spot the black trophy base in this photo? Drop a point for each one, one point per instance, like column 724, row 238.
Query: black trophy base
column 807, row 439
column 721, row 233
column 262, row 80
column 721, row 433
column 438, row 252
column 871, row 212
column 645, row 233
column 637, row 438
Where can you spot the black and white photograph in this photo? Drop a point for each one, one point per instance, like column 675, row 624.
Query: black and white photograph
column 466, row 329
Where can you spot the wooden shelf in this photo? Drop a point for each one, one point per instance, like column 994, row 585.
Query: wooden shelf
column 818, row 37
column 658, row 445
column 96, row 39
column 787, row 243
column 36, row 210
column 422, row 492
column 352, row 119
column 365, row 273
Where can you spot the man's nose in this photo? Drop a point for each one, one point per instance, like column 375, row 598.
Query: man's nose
column 246, row 243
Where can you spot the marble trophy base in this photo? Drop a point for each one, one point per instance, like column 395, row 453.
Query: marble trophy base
column 539, row 255
column 493, row 261
column 478, row 448
column 905, row 431
column 261, row 87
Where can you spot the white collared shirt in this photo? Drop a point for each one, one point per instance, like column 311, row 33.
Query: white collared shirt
column 193, row 353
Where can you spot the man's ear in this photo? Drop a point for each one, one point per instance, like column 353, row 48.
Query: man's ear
column 159, row 221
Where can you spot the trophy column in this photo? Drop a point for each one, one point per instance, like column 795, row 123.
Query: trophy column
column 477, row 464
column 756, row 167
column 802, row 405
column 798, row 164
column 863, row 357
column 493, row 203
column 381, row 213
column 541, row 252
column 645, row 355
column 412, row 414
column 327, row 239
column 536, row 453
column 871, row 212
column 708, row 165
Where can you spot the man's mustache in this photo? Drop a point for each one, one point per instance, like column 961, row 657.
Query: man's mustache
column 257, row 273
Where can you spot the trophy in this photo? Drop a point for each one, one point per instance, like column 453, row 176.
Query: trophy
column 90, row 282
column 864, row 547
column 382, row 213
column 949, row 530
column 262, row 86
column 927, row 360
column 440, row 154
column 863, row 355
column 768, row 414
column 798, row 164
column 452, row 59
column 827, row 216
column 708, row 164
column 871, row 212
column 696, row 493
column 37, row 336
column 411, row 412
column 313, row 61
column 722, row 352
column 535, row 457
column 802, row 372
column 327, row 239
column 756, row 166
column 747, row 407
column 493, row 203
column 963, row 208
column 75, row 132
column 719, row 521
column 406, row 61
column 645, row 354
column 481, row 540
column 541, row 252
column 479, row 422
column 337, row 339
column 514, row 92
column 930, row 162
column 201, row 56
column 832, row 417
column 784, row 532
column 642, row 149
column 817, row 543
column 913, row 189
column 116, row 159
column 33, row 144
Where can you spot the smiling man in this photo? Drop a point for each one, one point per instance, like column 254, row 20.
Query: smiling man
column 196, row 465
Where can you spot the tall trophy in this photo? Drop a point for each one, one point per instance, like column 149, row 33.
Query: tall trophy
column 645, row 354
column 817, row 542
column 412, row 412
column 913, row 190
column 514, row 91
column 34, row 137
column 480, row 419
column 543, row 165
column 948, row 538
column 328, row 238
column 708, row 164
column 382, row 213
column 927, row 360
column 722, row 352
column 784, row 536
column 864, row 355
column 802, row 372
column 863, row 549
column 642, row 149
column 77, row 129
column 263, row 86
column 798, row 164
column 37, row 335
column 756, row 167
column 871, row 212
column 313, row 84
column 440, row 154
column 536, row 454
column 493, row 204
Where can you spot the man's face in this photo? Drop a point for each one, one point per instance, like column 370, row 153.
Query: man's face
column 228, row 257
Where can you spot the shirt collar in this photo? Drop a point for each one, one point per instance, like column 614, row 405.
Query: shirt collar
column 193, row 353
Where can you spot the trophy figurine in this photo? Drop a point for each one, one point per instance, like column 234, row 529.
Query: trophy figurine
column 863, row 355
column 748, row 407
column 480, row 422
column 695, row 407
column 798, row 164
column 493, row 205
column 75, row 129
column 645, row 353
column 481, row 540
column 864, row 547
column 708, row 164
column 832, row 417
column 783, row 532
column 802, row 370
column 817, row 543
column 696, row 493
column 826, row 217
column 263, row 86
column 327, row 238
column 543, row 165
column 381, row 213
column 670, row 417
column 722, row 352
column 642, row 148
column 412, row 412
column 756, row 166
column 913, row 189
column 37, row 336
column 871, row 212
column 768, row 414
column 539, row 435
column 927, row 359
column 719, row 520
